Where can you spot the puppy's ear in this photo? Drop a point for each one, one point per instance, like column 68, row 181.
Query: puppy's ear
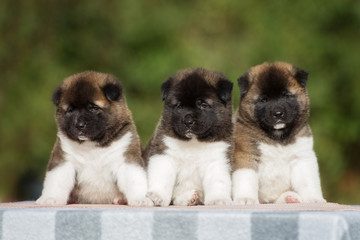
column 112, row 91
column 56, row 96
column 243, row 83
column 301, row 76
column 165, row 88
column 224, row 88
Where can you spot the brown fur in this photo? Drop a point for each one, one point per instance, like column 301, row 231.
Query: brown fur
column 210, row 77
column 247, row 133
column 133, row 153
column 155, row 145
column 57, row 156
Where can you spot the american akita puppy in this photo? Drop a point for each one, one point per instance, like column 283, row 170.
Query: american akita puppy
column 97, row 154
column 189, row 156
column 274, row 159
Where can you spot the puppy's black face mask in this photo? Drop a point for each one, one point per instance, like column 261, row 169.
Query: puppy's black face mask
column 276, row 109
column 192, row 115
column 193, row 108
column 193, row 120
column 84, row 122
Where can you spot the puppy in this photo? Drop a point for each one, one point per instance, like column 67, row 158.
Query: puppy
column 274, row 161
column 190, row 153
column 97, row 154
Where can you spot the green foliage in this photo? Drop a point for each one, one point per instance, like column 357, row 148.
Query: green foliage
column 144, row 42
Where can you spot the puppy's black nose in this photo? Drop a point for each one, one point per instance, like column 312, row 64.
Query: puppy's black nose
column 189, row 120
column 80, row 125
column 278, row 113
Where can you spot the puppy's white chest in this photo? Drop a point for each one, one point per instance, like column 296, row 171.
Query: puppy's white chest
column 274, row 172
column 96, row 167
column 193, row 157
column 95, row 159
column 194, row 152
column 89, row 156
column 276, row 166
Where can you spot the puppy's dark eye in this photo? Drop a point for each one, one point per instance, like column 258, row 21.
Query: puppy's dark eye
column 204, row 105
column 178, row 106
column 287, row 94
column 263, row 99
column 70, row 109
column 93, row 108
column 201, row 104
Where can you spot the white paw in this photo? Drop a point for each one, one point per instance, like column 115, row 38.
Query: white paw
column 50, row 201
column 220, row 201
column 246, row 201
column 191, row 198
column 142, row 202
column 157, row 200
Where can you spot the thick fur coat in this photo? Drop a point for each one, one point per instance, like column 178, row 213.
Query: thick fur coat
column 97, row 154
column 274, row 159
column 189, row 156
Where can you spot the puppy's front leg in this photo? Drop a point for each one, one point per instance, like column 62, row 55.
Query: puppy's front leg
column 305, row 178
column 161, row 175
column 245, row 186
column 217, row 184
column 131, row 180
column 58, row 184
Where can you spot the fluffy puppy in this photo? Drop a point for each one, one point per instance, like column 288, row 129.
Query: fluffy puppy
column 274, row 159
column 97, row 154
column 190, row 153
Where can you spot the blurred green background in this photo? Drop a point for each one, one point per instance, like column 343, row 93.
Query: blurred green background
column 144, row 42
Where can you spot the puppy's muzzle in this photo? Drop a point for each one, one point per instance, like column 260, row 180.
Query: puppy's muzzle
column 80, row 124
column 189, row 121
column 278, row 113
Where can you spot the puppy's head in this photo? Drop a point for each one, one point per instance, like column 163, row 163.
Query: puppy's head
column 197, row 104
column 90, row 107
column 273, row 95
